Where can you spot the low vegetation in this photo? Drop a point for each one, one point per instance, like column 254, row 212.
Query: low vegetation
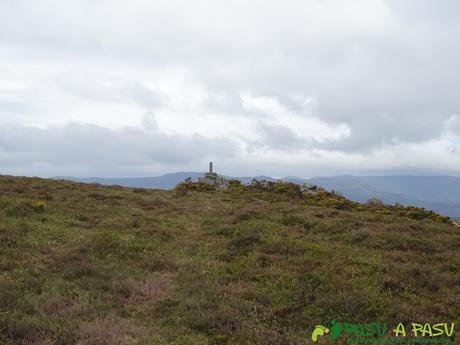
column 259, row 264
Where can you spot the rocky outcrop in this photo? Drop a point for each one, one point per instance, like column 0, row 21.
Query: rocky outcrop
column 214, row 179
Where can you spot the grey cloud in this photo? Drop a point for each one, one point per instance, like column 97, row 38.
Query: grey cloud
column 16, row 108
column 281, row 138
column 224, row 102
column 89, row 150
column 453, row 125
column 427, row 10
column 372, row 130
column 109, row 89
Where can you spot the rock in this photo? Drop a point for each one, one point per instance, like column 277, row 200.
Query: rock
column 308, row 186
column 214, row 179
column 337, row 193
column 374, row 202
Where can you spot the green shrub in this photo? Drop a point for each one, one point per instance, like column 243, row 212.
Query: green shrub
column 291, row 219
column 38, row 206
column 184, row 187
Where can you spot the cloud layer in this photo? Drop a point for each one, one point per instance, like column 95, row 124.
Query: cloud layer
column 301, row 87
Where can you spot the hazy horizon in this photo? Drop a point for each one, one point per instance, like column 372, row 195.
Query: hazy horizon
column 241, row 175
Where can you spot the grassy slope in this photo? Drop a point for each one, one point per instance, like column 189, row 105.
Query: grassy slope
column 86, row 264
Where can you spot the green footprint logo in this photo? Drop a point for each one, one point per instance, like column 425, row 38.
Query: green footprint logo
column 318, row 331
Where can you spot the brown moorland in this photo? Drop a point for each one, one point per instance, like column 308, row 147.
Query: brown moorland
column 260, row 264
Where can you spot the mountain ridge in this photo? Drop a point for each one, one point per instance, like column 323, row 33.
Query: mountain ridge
column 438, row 193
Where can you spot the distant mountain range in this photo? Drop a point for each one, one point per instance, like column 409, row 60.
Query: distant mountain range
column 437, row 193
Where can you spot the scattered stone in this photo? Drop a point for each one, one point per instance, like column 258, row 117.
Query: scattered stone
column 337, row 193
column 308, row 188
column 374, row 202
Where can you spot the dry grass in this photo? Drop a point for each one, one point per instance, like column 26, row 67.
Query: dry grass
column 111, row 330
column 150, row 289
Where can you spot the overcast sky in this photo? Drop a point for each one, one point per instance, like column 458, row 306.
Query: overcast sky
column 287, row 87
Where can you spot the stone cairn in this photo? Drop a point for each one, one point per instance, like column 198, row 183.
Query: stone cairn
column 213, row 179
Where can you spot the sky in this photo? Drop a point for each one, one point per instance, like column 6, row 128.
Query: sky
column 289, row 87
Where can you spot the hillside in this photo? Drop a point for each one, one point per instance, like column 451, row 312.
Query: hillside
column 437, row 193
column 90, row 264
column 167, row 181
